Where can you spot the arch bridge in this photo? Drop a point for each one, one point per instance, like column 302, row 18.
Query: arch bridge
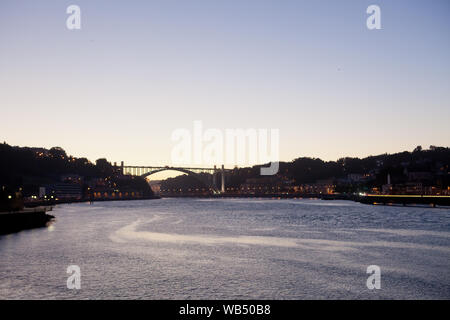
column 145, row 171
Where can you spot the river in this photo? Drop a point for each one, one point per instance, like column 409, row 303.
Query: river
column 230, row 249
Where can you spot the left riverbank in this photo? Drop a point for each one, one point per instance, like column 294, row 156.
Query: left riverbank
column 51, row 202
column 33, row 214
column 28, row 218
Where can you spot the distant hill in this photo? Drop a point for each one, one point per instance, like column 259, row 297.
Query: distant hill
column 25, row 169
column 434, row 161
column 28, row 168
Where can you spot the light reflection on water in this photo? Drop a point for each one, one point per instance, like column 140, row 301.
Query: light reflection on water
column 230, row 249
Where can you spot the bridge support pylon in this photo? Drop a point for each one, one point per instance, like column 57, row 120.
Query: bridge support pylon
column 222, row 189
column 214, row 180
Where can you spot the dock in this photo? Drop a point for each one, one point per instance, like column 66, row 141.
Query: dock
column 27, row 218
column 431, row 200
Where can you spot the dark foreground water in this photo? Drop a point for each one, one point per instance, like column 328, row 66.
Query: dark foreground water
column 231, row 249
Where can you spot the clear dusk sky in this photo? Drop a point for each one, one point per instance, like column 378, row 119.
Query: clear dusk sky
column 138, row 70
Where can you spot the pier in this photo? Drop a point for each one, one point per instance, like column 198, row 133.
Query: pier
column 28, row 218
column 431, row 200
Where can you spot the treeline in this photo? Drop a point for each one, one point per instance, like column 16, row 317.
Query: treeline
column 23, row 167
column 18, row 164
column 306, row 170
column 28, row 168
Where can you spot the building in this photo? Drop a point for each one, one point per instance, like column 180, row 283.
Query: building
column 63, row 191
column 155, row 186
column 420, row 176
column 355, row 177
column 71, row 178
column 387, row 188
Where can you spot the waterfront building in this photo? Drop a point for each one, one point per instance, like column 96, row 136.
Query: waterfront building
column 64, row 191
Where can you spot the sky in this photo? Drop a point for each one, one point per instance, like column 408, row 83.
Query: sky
column 137, row 71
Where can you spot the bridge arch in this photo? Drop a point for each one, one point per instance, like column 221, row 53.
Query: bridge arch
column 206, row 182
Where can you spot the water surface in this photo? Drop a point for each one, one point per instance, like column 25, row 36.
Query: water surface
column 231, row 249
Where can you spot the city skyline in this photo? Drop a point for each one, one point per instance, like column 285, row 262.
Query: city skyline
column 121, row 85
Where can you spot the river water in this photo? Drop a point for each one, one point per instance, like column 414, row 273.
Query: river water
column 231, row 249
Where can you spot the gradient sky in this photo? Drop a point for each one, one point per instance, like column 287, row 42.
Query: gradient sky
column 138, row 70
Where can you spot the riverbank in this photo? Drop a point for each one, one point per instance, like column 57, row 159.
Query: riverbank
column 33, row 214
column 431, row 200
column 52, row 202
column 16, row 221
column 410, row 200
column 266, row 195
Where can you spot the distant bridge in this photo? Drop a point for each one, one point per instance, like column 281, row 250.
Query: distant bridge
column 145, row 171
